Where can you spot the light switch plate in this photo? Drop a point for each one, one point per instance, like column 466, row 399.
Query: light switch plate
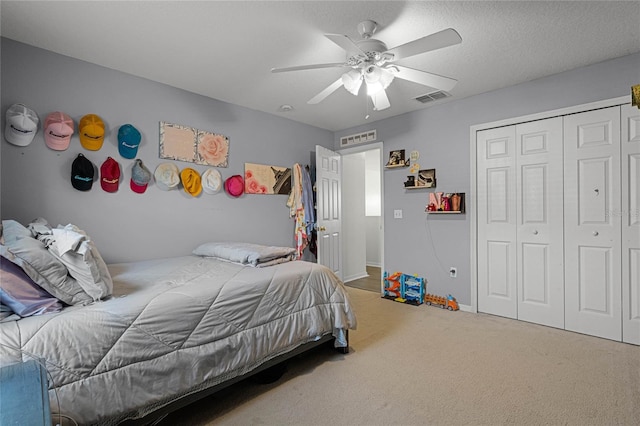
column 397, row 214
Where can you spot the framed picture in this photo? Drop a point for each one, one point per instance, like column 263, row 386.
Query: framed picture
column 265, row 179
column 184, row 143
column 426, row 178
column 396, row 158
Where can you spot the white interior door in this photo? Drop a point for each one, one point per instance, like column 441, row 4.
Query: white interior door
column 593, row 223
column 631, row 224
column 496, row 221
column 328, row 197
column 539, row 209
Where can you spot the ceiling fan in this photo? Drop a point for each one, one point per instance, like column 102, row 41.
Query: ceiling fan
column 370, row 61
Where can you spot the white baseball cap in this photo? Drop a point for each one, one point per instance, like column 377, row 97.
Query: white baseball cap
column 21, row 125
column 211, row 181
column 167, row 176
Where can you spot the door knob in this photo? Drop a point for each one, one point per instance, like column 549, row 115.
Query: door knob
column 535, row 232
column 321, row 228
column 595, row 233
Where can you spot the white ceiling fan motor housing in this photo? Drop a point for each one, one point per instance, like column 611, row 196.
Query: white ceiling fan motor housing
column 367, row 28
column 372, row 47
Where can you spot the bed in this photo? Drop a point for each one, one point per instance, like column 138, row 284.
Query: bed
column 179, row 328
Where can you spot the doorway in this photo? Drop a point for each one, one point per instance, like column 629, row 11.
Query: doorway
column 362, row 207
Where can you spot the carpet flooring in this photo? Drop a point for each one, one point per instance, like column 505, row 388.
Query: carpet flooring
column 422, row 365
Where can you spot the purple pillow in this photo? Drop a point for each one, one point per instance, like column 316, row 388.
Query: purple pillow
column 21, row 294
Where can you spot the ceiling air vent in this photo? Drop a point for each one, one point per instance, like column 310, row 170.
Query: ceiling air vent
column 368, row 136
column 434, row 96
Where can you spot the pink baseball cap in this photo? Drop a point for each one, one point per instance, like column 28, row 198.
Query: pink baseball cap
column 234, row 185
column 58, row 129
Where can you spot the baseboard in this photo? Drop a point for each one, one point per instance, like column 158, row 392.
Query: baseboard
column 354, row 277
column 375, row 265
column 465, row 308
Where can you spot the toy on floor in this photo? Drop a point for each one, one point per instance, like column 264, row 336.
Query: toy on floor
column 392, row 286
column 448, row 302
column 404, row 288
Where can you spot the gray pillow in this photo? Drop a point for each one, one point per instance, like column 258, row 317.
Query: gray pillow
column 21, row 294
column 83, row 260
column 45, row 270
column 13, row 230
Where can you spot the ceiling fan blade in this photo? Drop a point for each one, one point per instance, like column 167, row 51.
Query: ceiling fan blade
column 425, row 78
column 310, row 67
column 326, row 92
column 380, row 101
column 345, row 42
column 438, row 40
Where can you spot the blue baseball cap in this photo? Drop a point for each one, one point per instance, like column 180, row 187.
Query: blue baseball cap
column 128, row 141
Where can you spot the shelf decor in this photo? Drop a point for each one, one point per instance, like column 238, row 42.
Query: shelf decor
column 396, row 159
column 446, row 203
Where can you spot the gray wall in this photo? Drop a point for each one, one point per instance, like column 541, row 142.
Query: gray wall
column 428, row 245
column 129, row 226
column 35, row 181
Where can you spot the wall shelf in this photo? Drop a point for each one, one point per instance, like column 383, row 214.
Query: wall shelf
column 445, row 200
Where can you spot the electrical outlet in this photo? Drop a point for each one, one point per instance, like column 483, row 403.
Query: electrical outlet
column 397, row 214
column 453, row 272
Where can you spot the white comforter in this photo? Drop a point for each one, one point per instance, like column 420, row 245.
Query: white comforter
column 174, row 327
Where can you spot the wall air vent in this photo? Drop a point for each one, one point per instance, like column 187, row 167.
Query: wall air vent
column 433, row 96
column 368, row 136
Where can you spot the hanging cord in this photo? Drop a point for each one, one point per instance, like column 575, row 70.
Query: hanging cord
column 366, row 106
column 430, row 237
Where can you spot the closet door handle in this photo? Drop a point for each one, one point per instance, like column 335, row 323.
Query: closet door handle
column 595, row 233
column 535, row 232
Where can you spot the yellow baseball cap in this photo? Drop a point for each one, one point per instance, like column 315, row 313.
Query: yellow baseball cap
column 191, row 181
column 91, row 132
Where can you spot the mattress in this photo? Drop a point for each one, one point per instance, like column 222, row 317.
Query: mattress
column 175, row 327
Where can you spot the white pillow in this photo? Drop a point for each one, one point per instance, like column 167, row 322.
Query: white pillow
column 78, row 253
column 44, row 269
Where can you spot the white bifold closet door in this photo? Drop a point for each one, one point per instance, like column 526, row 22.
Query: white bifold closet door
column 631, row 224
column 593, row 223
column 520, row 214
column 496, row 206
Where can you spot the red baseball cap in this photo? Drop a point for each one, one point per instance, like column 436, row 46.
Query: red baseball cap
column 110, row 175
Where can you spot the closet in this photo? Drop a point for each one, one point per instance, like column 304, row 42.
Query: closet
column 558, row 221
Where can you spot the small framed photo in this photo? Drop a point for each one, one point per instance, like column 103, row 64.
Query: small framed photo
column 396, row 158
column 426, row 178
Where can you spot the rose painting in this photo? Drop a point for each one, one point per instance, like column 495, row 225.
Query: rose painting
column 262, row 179
column 213, row 149
column 184, row 143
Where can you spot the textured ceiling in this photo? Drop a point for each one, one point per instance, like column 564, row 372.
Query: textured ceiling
column 226, row 49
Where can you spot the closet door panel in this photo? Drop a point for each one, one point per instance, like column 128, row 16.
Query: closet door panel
column 592, row 223
column 540, row 283
column 630, row 145
column 496, row 249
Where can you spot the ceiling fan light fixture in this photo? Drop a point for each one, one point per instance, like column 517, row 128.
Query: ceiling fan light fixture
column 372, row 74
column 352, row 81
column 386, row 77
column 377, row 79
column 374, row 88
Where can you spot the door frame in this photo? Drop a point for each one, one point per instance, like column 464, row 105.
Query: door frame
column 471, row 202
column 363, row 148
